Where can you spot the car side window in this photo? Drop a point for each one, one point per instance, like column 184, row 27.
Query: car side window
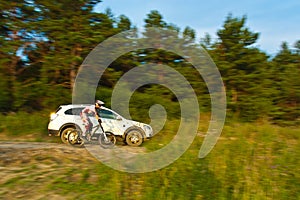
column 73, row 111
column 106, row 114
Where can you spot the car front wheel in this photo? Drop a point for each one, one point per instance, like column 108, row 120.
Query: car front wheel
column 134, row 137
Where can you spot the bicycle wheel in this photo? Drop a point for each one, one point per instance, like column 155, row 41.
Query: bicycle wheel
column 74, row 139
column 110, row 142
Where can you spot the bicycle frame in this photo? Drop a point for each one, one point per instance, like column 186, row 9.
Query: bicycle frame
column 95, row 129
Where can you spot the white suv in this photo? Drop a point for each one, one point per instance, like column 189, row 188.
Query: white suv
column 67, row 118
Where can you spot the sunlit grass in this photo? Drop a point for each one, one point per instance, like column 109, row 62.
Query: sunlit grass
column 25, row 126
column 250, row 161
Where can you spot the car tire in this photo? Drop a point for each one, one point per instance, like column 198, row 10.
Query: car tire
column 74, row 139
column 134, row 137
column 64, row 134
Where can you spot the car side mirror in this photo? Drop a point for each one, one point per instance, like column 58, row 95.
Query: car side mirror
column 119, row 118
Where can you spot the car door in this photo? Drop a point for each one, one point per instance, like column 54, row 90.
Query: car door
column 112, row 122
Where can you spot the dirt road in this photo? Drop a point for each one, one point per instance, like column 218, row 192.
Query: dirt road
column 27, row 169
column 32, row 145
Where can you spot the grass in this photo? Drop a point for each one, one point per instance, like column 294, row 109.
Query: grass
column 250, row 161
column 24, row 126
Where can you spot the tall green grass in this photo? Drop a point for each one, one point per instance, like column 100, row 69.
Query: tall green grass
column 23, row 125
column 250, row 161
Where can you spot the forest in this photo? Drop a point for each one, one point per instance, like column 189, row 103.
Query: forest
column 43, row 45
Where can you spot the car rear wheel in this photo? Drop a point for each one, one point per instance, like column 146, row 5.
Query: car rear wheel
column 74, row 139
column 64, row 134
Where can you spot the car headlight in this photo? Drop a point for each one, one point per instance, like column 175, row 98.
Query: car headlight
column 148, row 128
column 53, row 116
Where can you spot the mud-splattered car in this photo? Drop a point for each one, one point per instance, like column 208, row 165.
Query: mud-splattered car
column 67, row 118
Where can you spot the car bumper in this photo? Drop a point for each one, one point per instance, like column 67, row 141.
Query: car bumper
column 53, row 132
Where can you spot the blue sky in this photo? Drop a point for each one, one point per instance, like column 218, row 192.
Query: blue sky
column 275, row 20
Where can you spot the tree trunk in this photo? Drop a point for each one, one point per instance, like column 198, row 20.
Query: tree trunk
column 76, row 52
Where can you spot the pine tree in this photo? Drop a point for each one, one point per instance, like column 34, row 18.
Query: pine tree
column 15, row 36
column 242, row 67
column 43, row 43
column 286, row 74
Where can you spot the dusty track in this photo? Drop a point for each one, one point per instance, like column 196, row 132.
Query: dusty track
column 32, row 145
column 28, row 170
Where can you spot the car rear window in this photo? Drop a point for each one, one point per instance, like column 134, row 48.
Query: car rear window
column 73, row 111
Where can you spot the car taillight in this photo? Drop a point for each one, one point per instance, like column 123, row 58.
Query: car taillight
column 53, row 116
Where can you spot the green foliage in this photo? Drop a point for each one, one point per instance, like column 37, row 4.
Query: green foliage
column 243, row 69
column 124, row 23
column 23, row 123
column 141, row 103
column 43, row 44
column 5, row 95
column 155, row 19
column 285, row 67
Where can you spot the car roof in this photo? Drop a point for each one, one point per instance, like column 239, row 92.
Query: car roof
column 76, row 105
column 67, row 106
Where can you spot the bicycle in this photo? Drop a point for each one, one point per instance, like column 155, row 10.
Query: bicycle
column 105, row 139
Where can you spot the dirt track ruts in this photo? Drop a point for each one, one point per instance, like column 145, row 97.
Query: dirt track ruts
column 32, row 145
